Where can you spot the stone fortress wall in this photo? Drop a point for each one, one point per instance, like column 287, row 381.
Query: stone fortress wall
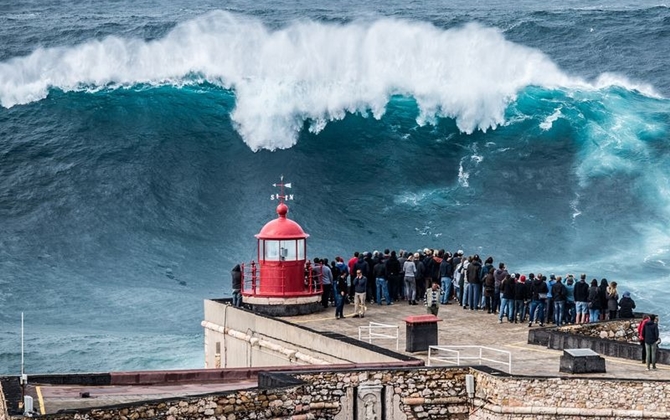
column 392, row 391
column 407, row 393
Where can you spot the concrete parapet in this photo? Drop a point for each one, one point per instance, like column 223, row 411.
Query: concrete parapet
column 598, row 337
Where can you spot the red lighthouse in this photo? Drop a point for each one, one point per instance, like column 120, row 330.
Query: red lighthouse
column 281, row 284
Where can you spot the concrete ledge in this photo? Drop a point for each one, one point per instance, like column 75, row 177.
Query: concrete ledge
column 72, row 379
column 182, row 376
column 557, row 338
column 273, row 380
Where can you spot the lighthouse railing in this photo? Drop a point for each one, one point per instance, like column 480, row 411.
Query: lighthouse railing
column 277, row 283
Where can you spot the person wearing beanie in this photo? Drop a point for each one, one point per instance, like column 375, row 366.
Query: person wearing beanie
column 626, row 306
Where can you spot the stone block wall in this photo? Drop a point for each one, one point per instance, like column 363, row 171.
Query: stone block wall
column 426, row 393
column 621, row 330
column 408, row 393
column 251, row 404
column 569, row 398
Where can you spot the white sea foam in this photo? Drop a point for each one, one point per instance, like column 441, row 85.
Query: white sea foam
column 463, row 176
column 606, row 80
column 549, row 121
column 307, row 71
column 574, row 205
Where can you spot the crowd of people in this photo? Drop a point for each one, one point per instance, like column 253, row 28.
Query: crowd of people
column 438, row 277
column 390, row 277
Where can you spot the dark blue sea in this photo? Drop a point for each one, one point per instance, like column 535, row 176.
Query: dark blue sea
column 139, row 141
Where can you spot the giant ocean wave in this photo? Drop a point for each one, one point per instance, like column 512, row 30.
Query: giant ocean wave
column 309, row 72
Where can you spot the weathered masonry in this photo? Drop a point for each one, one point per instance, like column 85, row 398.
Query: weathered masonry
column 407, row 393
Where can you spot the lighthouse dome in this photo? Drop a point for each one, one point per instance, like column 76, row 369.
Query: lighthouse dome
column 282, row 227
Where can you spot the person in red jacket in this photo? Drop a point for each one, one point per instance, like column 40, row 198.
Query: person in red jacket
column 640, row 328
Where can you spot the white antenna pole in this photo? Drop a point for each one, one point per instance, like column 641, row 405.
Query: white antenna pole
column 21, row 344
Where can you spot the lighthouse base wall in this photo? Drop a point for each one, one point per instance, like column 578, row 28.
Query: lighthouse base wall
column 287, row 310
column 284, row 307
column 236, row 337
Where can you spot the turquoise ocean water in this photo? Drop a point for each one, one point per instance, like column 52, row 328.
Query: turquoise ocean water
column 139, row 141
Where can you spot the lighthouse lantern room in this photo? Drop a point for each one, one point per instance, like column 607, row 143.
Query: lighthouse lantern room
column 280, row 283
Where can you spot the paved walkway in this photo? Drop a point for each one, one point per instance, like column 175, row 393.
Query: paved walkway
column 460, row 327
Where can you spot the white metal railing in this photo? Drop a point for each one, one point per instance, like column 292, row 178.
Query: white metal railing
column 457, row 354
column 377, row 331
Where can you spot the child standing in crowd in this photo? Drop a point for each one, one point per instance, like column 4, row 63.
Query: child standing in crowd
column 433, row 299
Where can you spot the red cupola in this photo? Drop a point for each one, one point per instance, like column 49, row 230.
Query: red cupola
column 281, row 227
column 281, row 255
column 280, row 282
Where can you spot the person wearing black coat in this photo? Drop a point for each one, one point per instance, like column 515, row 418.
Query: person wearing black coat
column 420, row 276
column 428, row 264
column 651, row 341
column 393, row 270
column 595, row 302
column 626, row 306
column 446, row 276
column 489, row 288
column 559, row 295
column 340, row 294
column 581, row 299
column 539, row 290
column 520, row 298
column 381, row 283
column 474, row 272
column 602, row 294
column 237, row 286
column 507, row 298
column 370, row 295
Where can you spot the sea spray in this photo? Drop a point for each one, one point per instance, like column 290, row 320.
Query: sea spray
column 307, row 71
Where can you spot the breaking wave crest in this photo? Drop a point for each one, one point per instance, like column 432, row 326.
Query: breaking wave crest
column 308, row 72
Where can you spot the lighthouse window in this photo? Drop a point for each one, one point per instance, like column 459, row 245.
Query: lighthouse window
column 300, row 246
column 272, row 250
column 287, row 250
column 291, row 250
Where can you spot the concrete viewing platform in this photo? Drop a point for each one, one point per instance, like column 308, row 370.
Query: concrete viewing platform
column 464, row 327
column 458, row 329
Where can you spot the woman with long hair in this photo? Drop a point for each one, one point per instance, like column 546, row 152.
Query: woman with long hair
column 612, row 300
